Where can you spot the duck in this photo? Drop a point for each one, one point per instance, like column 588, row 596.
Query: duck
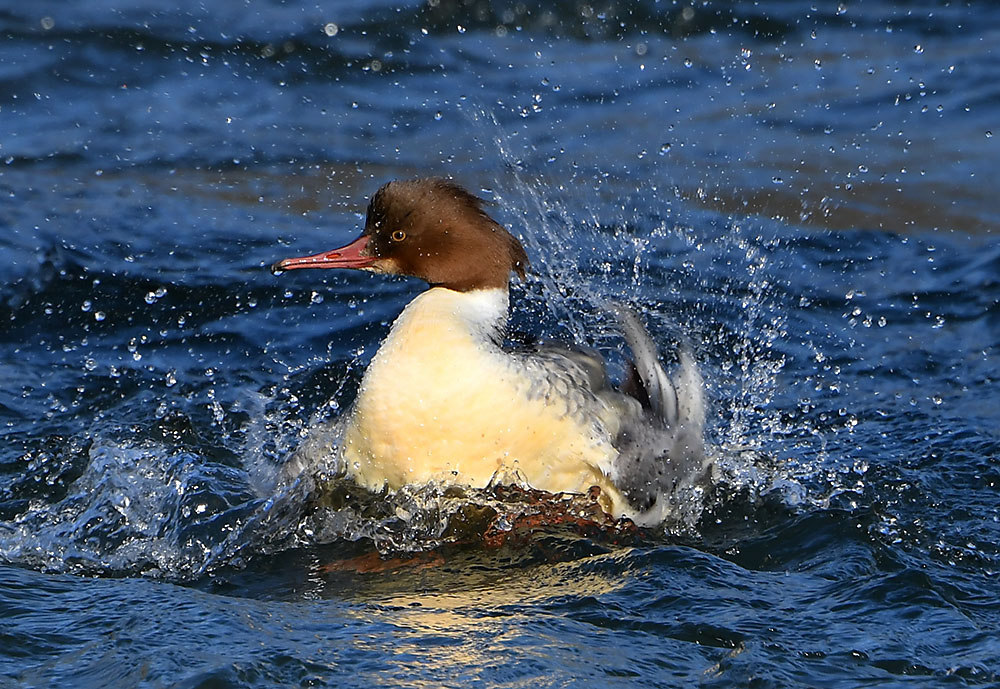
column 447, row 400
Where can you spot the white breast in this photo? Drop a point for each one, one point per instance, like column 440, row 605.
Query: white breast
column 442, row 401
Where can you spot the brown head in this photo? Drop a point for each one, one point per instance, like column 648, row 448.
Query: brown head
column 432, row 229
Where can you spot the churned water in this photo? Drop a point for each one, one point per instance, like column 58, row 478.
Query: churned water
column 805, row 193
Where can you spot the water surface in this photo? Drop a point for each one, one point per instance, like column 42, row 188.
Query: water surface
column 808, row 194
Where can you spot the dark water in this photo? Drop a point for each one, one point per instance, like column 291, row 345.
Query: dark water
column 809, row 194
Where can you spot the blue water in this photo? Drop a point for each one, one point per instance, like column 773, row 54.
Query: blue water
column 809, row 194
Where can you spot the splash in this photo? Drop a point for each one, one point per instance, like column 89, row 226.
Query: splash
column 715, row 283
column 136, row 504
column 140, row 509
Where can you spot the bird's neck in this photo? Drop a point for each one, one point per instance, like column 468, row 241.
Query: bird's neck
column 443, row 315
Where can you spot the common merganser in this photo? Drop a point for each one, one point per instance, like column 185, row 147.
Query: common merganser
column 443, row 400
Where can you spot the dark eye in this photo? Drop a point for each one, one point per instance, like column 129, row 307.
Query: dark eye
column 398, row 236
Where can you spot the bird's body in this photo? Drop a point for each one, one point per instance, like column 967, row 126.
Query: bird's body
column 444, row 401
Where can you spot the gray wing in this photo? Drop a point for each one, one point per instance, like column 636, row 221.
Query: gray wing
column 661, row 450
column 576, row 377
column 655, row 421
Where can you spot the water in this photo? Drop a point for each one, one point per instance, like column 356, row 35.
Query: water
column 806, row 193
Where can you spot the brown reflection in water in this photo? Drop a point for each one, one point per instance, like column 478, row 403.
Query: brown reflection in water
column 922, row 206
column 865, row 207
column 812, row 192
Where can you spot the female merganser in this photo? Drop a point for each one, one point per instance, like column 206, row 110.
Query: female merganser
column 443, row 401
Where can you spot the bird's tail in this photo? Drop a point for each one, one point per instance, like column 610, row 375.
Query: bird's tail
column 677, row 402
column 661, row 464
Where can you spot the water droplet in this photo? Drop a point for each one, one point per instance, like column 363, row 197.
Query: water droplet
column 688, row 62
column 87, row 305
column 918, row 48
column 48, row 23
column 437, row 117
column 90, row 364
column 171, row 378
column 99, row 316
column 777, row 180
column 989, row 134
column 316, row 298
column 664, row 149
column 331, row 29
